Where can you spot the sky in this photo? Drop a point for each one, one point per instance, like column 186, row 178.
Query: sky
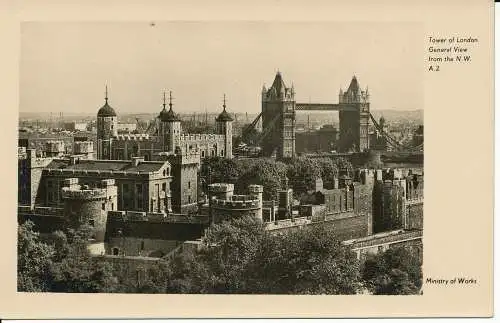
column 64, row 67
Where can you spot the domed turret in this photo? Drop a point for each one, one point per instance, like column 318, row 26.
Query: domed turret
column 107, row 128
column 106, row 110
column 170, row 115
column 224, row 127
column 170, row 126
column 224, row 116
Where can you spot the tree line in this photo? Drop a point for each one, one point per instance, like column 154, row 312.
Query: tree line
column 237, row 257
column 299, row 173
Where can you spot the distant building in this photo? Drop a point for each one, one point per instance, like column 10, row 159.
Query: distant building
column 126, row 127
column 323, row 140
column 418, row 136
column 75, row 126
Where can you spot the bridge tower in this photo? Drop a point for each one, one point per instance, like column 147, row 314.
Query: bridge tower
column 278, row 119
column 354, row 118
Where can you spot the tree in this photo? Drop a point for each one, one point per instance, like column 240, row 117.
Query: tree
column 78, row 271
column 393, row 272
column 34, row 259
column 303, row 173
column 329, row 170
column 241, row 257
column 305, row 261
column 396, row 282
column 373, row 160
column 344, row 166
column 221, row 266
column 154, row 281
column 219, row 170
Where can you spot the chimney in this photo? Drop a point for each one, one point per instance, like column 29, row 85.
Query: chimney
column 137, row 160
column 73, row 159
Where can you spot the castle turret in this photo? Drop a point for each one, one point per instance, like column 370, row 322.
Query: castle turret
column 224, row 205
column 224, row 124
column 256, row 192
column 170, row 126
column 354, row 119
column 107, row 128
column 85, row 205
column 278, row 119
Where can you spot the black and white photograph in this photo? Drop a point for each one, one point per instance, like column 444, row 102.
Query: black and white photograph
column 221, row 157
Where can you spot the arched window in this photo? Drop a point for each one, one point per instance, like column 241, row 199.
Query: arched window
column 116, row 251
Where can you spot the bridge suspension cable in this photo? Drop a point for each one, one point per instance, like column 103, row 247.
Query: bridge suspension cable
column 249, row 127
column 393, row 142
column 268, row 129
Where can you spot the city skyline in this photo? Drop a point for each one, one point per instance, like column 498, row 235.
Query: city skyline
column 66, row 69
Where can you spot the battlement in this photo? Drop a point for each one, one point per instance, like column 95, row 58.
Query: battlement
column 83, row 193
column 288, row 223
column 189, row 157
column 40, row 210
column 220, row 188
column 396, row 236
column 133, row 137
column 74, row 191
column 95, row 173
column 201, row 137
column 255, row 189
column 154, row 217
column 237, row 202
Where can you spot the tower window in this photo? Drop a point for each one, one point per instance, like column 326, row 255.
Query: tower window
column 103, row 206
column 189, row 184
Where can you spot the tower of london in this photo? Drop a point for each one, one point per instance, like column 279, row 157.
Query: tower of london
column 166, row 136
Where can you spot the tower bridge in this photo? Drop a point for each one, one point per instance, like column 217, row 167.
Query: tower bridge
column 278, row 119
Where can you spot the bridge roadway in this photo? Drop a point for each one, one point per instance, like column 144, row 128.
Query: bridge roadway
column 325, row 107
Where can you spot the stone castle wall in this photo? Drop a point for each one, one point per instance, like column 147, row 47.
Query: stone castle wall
column 89, row 206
